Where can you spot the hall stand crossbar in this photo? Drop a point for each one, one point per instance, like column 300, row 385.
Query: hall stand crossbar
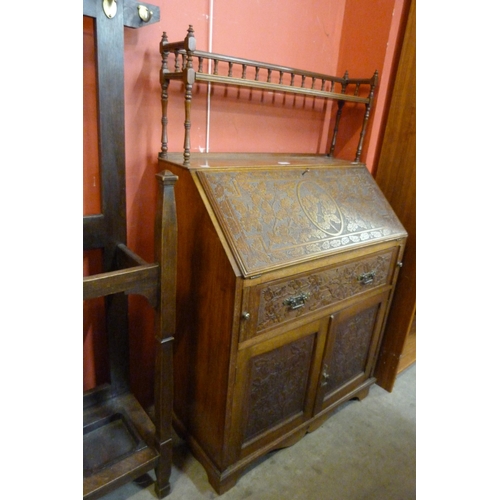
column 121, row 442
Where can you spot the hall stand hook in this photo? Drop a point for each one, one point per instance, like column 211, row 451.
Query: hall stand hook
column 109, row 7
column 144, row 13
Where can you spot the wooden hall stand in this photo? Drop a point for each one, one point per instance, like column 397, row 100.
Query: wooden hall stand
column 120, row 440
column 288, row 265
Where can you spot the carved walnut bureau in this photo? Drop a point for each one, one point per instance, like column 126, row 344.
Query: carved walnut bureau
column 286, row 268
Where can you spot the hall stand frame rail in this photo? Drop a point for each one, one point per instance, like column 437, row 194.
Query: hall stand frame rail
column 121, row 441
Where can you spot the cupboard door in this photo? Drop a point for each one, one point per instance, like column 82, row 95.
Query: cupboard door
column 275, row 385
column 350, row 351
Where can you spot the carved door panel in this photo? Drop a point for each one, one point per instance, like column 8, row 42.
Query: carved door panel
column 351, row 347
column 275, row 385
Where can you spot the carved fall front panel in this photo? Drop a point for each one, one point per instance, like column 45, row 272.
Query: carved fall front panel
column 284, row 215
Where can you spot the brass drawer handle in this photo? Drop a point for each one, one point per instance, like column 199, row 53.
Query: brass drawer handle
column 297, row 302
column 366, row 278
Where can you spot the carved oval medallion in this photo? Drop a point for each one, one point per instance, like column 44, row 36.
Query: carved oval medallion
column 320, row 208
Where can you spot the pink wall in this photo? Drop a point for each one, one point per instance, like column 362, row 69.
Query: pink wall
column 369, row 40
column 318, row 35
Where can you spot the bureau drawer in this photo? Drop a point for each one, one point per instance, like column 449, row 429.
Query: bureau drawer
column 278, row 302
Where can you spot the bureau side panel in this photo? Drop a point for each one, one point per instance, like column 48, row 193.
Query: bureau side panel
column 205, row 304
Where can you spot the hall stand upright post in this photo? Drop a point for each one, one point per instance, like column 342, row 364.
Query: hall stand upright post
column 120, row 440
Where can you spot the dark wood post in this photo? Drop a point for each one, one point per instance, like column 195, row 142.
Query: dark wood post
column 189, row 77
column 164, row 94
column 166, row 256
column 373, row 84
column 340, row 105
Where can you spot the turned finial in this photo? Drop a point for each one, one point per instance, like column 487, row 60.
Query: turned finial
column 190, row 41
column 163, row 42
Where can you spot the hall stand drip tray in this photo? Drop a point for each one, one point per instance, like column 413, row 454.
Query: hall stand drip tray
column 118, row 437
column 107, row 441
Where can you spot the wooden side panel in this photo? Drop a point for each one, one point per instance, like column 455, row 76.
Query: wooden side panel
column 396, row 176
column 205, row 304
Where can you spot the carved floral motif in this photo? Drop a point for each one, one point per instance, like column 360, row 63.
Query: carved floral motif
column 323, row 288
column 282, row 215
column 278, row 385
column 350, row 351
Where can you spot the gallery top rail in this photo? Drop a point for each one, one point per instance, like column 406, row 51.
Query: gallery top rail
column 191, row 65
